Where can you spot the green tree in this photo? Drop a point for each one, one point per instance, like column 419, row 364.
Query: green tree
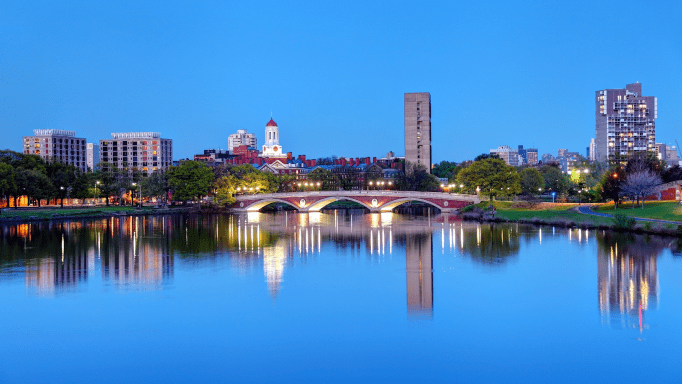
column 327, row 179
column 62, row 177
column 8, row 182
column 611, row 185
column 531, row 181
column 33, row 162
column 190, row 180
column 417, row 180
column 34, row 184
column 492, row 176
column 225, row 189
column 83, row 186
column 110, row 179
column 484, row 156
column 444, row 169
column 555, row 180
column 155, row 185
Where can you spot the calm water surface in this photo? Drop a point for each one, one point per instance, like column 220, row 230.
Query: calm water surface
column 335, row 298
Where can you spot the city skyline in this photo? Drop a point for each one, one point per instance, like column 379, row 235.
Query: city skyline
column 329, row 74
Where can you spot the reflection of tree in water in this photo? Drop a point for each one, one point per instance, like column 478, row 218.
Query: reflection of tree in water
column 200, row 236
column 627, row 276
column 490, row 244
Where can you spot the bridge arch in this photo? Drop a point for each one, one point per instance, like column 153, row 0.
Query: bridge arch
column 388, row 207
column 318, row 205
column 256, row 207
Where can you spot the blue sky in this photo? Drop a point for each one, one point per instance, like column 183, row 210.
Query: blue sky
column 334, row 73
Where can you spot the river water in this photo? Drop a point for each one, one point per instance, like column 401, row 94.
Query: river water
column 335, row 297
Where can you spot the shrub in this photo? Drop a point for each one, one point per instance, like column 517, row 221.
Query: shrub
column 647, row 225
column 622, row 221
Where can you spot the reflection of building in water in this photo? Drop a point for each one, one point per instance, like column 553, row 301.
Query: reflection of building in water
column 419, row 254
column 132, row 256
column 627, row 278
column 58, row 273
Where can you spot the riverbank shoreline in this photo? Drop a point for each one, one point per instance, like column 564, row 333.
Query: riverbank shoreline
column 659, row 229
column 25, row 216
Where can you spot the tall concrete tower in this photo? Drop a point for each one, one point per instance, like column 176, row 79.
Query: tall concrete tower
column 417, row 131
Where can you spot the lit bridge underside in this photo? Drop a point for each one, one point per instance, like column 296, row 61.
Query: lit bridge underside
column 375, row 201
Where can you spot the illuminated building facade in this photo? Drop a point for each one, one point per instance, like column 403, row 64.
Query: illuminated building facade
column 418, row 130
column 625, row 122
column 56, row 145
column 138, row 151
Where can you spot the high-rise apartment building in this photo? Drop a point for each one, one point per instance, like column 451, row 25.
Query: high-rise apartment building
column 241, row 138
column 138, row 151
column 92, row 156
column 418, row 130
column 56, row 145
column 626, row 122
column 522, row 152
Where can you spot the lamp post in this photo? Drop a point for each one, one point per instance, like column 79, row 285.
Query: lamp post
column 96, row 194
column 61, row 197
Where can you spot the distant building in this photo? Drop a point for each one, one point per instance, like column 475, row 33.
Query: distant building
column 56, row 145
column 146, row 152
column 418, row 129
column 567, row 159
column 532, row 156
column 522, row 152
column 509, row 155
column 625, row 122
column 548, row 158
column 241, row 138
column 213, row 156
column 667, row 153
column 92, row 156
column 592, row 150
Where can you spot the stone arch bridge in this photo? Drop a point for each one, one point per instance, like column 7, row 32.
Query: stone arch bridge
column 375, row 201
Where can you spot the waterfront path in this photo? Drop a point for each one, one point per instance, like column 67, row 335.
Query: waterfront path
column 587, row 210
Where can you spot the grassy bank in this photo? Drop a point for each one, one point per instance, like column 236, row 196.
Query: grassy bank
column 544, row 212
column 660, row 210
column 56, row 213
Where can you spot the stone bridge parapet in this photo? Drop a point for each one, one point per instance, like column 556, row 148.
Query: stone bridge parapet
column 375, row 201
